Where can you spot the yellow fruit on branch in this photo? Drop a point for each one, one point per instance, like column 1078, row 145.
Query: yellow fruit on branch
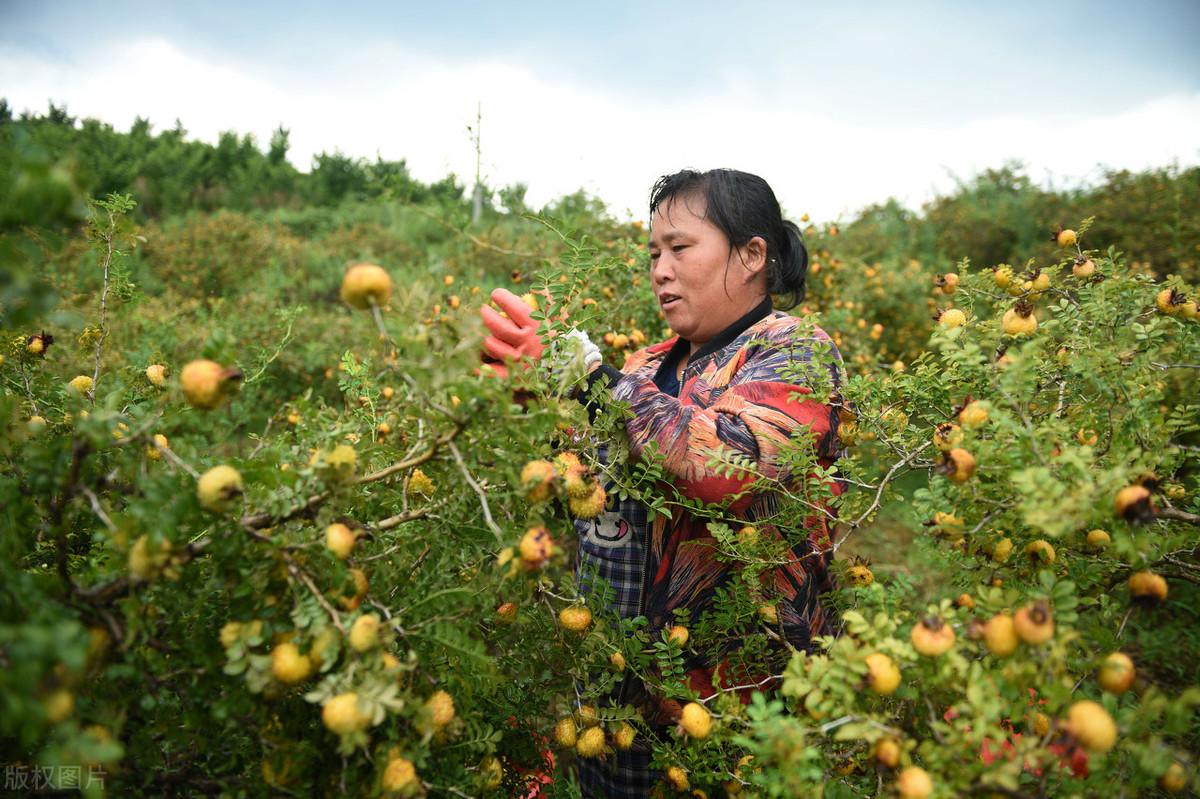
column 590, row 742
column 399, row 775
column 1174, row 779
column 914, row 782
column 207, row 384
column 535, row 546
column 1065, row 237
column 678, row 635
column 58, row 705
column 951, row 318
column 932, row 636
column 575, row 618
column 769, row 613
column 1000, row 635
column 1019, row 320
column 364, row 633
column 1083, row 267
column 365, row 285
column 339, row 539
column 156, row 373
column 341, row 715
column 1134, row 504
column 537, row 478
column 1116, row 673
column 617, row 660
column 677, row 777
column 590, row 506
column 958, row 464
column 882, row 673
column 623, row 735
column 440, row 706
column 1147, row 585
column 947, row 436
column 1169, row 301
column 81, row 384
column 1040, row 551
column 565, row 733
column 1034, row 623
column 1098, row 539
column 887, row 752
column 695, row 720
column 1090, row 724
column 965, row 601
column 288, row 665
column 218, row 488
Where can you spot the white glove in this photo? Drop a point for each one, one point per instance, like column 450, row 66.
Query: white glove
column 569, row 358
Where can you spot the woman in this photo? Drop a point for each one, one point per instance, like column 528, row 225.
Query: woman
column 719, row 250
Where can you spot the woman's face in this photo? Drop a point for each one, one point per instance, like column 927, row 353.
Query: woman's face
column 701, row 284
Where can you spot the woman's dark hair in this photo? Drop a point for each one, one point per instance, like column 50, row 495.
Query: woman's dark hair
column 743, row 206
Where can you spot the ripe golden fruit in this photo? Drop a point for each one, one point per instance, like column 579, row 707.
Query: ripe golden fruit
column 1168, row 301
column 441, row 708
column 81, row 384
column 399, row 775
column 1065, row 238
column 887, row 752
column 364, row 633
column 965, row 601
column 695, row 720
column 1116, row 673
column 678, row 778
column 565, row 733
column 882, row 673
column 1002, row 276
column 588, row 716
column 678, row 635
column 932, row 636
column 1148, row 585
column 339, row 539
column 420, row 483
column 351, row 602
column 206, row 384
column 959, row 465
column 58, row 705
column 951, row 318
column 1000, row 635
column 1098, row 539
column 288, row 665
column 537, row 478
column 1041, row 724
column 341, row 715
column 1091, row 725
column 769, row 613
column 1002, row 549
column 860, row 575
column 1034, row 623
column 1040, row 551
column 1134, row 504
column 365, row 285
column 590, row 506
column 617, row 660
column 218, row 488
column 575, row 618
column 154, row 449
column 974, row 414
column 590, row 742
column 1174, row 779
column 914, row 783
column 1083, row 267
column 1019, row 321
column 507, row 611
column 947, row 436
column 156, row 373
column 623, row 736
column 536, row 546
column 230, row 633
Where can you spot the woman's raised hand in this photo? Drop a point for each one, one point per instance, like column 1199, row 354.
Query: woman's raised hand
column 513, row 339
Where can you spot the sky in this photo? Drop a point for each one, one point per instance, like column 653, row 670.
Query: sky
column 837, row 105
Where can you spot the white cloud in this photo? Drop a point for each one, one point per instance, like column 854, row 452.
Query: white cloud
column 558, row 137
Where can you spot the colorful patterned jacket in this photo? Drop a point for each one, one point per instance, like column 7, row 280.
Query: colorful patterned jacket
column 734, row 393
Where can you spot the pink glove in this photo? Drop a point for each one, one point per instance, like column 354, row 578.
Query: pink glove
column 514, row 338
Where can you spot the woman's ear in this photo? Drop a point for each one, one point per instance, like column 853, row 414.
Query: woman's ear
column 753, row 255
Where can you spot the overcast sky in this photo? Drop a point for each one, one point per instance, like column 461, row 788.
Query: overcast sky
column 836, row 104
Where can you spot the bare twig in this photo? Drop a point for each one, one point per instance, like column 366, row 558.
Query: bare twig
column 487, row 511
column 106, row 262
column 300, row 575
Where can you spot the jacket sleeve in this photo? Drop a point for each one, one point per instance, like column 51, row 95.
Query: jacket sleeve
column 754, row 416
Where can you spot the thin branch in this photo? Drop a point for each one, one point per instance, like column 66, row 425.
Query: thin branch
column 487, row 511
column 108, row 235
column 299, row 574
column 1175, row 365
column 887, row 478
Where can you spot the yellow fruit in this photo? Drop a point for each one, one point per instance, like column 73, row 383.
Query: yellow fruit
column 590, row 742
column 58, row 705
column 364, row 633
column 974, row 414
column 81, row 384
column 537, row 478
column 623, row 736
column 156, row 373
column 1000, row 635
column 1148, row 585
column 1018, row 323
column 288, row 665
column 341, row 715
column 507, row 611
column 887, row 752
column 1083, row 267
column 144, row 563
column 339, row 539
column 965, row 601
column 914, row 783
column 1168, row 301
column 1116, row 673
column 947, row 436
column 1098, row 539
column 882, row 673
column 565, row 733
column 1174, row 779
column 695, row 720
column 1134, row 504
column 589, row 507
column 399, row 775
column 588, row 716
column 1040, row 551
column 351, row 602
column 218, row 488
column 441, row 708
column 365, row 285
column 154, row 450
column 678, row 635
column 230, row 633
column 769, row 613
column 617, row 660
column 951, row 318
column 1034, row 623
column 1002, row 550
column 1002, row 276
column 35, row 424
column 420, row 483
column 1091, row 725
column 576, row 618
column 1065, row 238
column 959, row 465
column 932, row 636
column 678, row 778
column 536, row 546
column 206, row 384
column 860, row 575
